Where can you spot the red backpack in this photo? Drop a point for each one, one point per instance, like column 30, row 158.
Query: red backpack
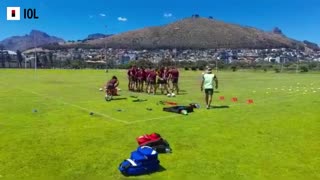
column 148, row 138
column 155, row 141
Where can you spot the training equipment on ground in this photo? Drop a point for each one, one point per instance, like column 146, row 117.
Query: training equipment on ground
column 167, row 103
column 250, row 101
column 234, row 99
column 155, row 141
column 91, row 113
column 101, row 89
column 142, row 161
column 179, row 109
column 173, row 95
column 184, row 112
column 195, row 105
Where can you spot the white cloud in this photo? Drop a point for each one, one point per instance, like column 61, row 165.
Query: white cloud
column 123, row 19
column 102, row 15
column 167, row 15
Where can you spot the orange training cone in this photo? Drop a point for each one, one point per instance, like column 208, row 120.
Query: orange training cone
column 234, row 99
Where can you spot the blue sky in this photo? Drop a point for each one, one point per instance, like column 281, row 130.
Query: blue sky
column 75, row 19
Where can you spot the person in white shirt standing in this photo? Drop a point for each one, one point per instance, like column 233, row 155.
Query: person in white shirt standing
column 209, row 82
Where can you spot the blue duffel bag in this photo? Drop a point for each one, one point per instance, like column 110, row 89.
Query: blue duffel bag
column 142, row 161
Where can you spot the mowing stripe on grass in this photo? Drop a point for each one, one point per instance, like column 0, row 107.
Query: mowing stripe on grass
column 79, row 107
column 74, row 105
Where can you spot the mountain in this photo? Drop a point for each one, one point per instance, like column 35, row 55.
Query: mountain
column 311, row 45
column 35, row 38
column 96, row 36
column 199, row 33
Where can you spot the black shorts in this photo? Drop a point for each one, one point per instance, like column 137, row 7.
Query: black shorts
column 175, row 80
column 162, row 81
column 132, row 79
column 140, row 79
column 209, row 91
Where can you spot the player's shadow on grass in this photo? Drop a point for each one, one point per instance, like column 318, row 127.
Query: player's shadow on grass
column 216, row 91
column 115, row 99
column 220, row 107
column 182, row 92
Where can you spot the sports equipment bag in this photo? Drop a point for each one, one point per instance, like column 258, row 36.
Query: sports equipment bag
column 155, row 141
column 142, row 161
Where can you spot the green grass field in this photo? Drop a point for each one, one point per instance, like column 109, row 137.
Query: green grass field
column 277, row 137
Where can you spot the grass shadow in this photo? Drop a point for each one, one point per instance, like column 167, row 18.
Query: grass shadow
column 139, row 100
column 220, row 107
column 115, row 99
column 161, row 169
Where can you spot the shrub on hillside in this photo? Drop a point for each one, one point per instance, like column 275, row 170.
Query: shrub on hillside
column 276, row 70
column 304, row 68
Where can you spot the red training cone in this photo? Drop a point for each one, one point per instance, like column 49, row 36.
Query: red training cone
column 234, row 99
column 221, row 98
column 250, row 101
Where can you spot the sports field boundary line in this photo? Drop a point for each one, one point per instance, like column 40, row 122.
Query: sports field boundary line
column 159, row 118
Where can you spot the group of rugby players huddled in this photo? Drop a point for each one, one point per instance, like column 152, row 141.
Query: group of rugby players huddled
column 150, row 79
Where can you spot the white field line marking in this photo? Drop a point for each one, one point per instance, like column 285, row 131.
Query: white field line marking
column 76, row 106
column 159, row 118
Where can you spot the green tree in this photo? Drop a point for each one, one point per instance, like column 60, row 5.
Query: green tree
column 144, row 63
column 201, row 64
column 166, row 62
column 304, row 68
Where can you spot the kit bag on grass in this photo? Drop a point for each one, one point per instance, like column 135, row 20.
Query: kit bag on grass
column 179, row 109
column 155, row 141
column 148, row 138
column 142, row 161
